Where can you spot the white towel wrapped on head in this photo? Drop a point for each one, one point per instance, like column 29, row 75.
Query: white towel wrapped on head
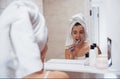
column 23, row 35
column 77, row 18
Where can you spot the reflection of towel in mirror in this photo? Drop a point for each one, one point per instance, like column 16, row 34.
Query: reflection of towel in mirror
column 75, row 18
column 23, row 35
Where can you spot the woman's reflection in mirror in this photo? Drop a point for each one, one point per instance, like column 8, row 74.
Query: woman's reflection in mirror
column 76, row 46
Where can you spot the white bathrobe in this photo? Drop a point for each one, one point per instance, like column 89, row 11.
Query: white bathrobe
column 23, row 35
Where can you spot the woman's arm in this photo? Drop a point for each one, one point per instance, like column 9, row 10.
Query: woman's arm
column 68, row 54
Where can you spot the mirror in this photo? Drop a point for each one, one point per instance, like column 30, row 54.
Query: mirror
column 57, row 14
column 109, row 45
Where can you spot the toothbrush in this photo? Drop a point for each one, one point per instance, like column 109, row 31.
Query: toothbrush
column 76, row 43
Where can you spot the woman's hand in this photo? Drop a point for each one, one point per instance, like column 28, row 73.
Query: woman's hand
column 74, row 45
column 73, row 49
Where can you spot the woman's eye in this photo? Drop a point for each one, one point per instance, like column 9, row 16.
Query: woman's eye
column 74, row 32
column 81, row 32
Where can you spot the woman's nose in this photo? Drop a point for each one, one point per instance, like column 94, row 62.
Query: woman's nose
column 77, row 35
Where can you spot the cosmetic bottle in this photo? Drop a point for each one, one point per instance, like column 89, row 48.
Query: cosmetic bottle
column 95, row 48
column 92, row 56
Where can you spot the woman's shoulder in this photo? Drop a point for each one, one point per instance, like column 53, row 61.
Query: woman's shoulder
column 87, row 43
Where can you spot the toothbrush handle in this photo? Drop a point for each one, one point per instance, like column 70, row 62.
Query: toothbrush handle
column 72, row 48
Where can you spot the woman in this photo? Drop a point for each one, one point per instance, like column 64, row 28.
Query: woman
column 76, row 45
column 23, row 42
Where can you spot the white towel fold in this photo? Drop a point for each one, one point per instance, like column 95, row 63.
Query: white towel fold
column 23, row 35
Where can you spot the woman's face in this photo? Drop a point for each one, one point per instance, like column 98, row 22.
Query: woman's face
column 78, row 33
